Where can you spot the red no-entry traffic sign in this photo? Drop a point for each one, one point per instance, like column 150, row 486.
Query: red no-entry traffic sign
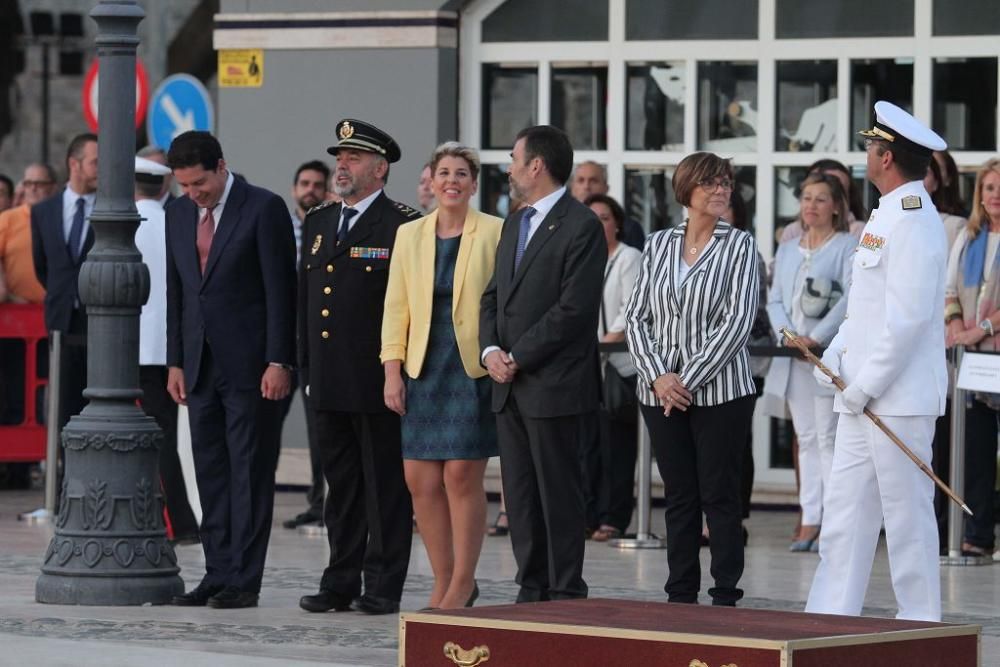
column 90, row 93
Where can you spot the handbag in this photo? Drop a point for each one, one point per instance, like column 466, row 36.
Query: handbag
column 617, row 392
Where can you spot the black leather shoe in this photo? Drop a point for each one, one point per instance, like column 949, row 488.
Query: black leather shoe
column 302, row 519
column 325, row 601
column 231, row 597
column 196, row 597
column 369, row 604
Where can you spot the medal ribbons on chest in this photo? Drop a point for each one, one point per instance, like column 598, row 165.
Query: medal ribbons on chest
column 872, row 242
column 359, row 252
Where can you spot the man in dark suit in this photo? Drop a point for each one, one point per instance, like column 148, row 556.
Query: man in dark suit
column 230, row 346
column 60, row 240
column 342, row 282
column 537, row 329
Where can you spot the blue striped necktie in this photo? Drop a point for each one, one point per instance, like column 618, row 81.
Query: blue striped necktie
column 522, row 235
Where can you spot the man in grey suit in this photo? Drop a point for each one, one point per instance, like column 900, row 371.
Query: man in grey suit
column 537, row 324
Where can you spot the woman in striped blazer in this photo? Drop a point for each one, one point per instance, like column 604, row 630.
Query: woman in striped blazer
column 687, row 325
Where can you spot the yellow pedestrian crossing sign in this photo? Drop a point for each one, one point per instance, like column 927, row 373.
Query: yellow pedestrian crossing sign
column 241, row 68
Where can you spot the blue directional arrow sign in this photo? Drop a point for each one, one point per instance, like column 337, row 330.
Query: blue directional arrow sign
column 180, row 103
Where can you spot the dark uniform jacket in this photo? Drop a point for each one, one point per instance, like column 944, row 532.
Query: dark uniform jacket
column 341, row 299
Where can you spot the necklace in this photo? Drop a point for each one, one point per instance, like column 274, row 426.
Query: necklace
column 693, row 250
column 821, row 242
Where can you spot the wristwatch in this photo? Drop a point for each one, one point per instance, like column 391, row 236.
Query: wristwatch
column 287, row 367
column 987, row 326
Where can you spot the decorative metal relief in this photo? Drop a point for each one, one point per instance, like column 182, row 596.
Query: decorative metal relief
column 119, row 442
column 143, row 506
column 699, row 663
column 98, row 508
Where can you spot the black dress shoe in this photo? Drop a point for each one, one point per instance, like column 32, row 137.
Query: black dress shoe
column 231, row 597
column 370, row 604
column 325, row 601
column 301, row 520
column 196, row 597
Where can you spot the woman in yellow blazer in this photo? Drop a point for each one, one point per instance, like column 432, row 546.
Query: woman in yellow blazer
column 440, row 266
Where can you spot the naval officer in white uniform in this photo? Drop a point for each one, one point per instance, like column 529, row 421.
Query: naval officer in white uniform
column 890, row 353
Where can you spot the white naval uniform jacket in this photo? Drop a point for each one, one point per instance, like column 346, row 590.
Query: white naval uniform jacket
column 892, row 339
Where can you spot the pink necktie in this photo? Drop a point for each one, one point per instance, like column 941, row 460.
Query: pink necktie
column 206, row 230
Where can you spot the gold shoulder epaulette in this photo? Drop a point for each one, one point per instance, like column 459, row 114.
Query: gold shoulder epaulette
column 408, row 211
column 320, row 207
column 911, row 202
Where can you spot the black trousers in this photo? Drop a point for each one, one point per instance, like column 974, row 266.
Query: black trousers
column 235, row 472
column 941, row 463
column 618, row 453
column 700, row 457
column 73, row 368
column 368, row 513
column 980, row 473
column 592, row 468
column 157, row 403
column 540, row 466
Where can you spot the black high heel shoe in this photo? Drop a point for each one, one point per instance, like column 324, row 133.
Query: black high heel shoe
column 474, row 595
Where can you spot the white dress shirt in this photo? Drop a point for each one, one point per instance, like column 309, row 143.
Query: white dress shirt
column 542, row 208
column 221, row 206
column 69, row 211
column 150, row 239
column 360, row 207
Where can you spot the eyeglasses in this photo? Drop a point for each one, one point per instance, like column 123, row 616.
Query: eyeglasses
column 713, row 184
column 36, row 184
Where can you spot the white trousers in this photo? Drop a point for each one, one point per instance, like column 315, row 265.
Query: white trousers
column 815, row 425
column 872, row 479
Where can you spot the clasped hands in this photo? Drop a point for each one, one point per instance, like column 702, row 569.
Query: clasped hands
column 852, row 398
column 671, row 393
column 501, row 366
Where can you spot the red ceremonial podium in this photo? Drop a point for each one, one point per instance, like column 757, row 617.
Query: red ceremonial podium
column 627, row 633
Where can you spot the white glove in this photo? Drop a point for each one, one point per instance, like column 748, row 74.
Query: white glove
column 854, row 399
column 832, row 361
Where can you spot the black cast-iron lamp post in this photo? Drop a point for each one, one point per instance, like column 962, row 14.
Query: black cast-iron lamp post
column 109, row 546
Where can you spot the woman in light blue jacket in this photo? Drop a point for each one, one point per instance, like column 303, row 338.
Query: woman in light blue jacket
column 809, row 296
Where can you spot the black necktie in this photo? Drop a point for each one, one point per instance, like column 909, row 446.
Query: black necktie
column 345, row 224
column 76, row 231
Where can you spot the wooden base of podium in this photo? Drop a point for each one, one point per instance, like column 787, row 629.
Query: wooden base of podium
column 627, row 633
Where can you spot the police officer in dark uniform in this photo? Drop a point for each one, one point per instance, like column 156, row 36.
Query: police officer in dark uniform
column 342, row 281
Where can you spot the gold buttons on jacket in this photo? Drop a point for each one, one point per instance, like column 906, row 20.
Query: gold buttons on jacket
column 325, row 312
column 325, row 334
column 327, row 290
column 329, row 268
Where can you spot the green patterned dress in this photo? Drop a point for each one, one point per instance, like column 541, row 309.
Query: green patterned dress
column 448, row 414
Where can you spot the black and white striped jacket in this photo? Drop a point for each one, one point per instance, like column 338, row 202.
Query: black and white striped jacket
column 698, row 329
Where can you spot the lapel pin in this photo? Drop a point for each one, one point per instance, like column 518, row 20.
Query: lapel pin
column 551, row 227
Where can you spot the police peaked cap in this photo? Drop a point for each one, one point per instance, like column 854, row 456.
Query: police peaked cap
column 362, row 136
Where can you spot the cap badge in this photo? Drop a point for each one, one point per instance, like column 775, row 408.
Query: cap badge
column 317, row 243
column 346, row 130
column 911, row 202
